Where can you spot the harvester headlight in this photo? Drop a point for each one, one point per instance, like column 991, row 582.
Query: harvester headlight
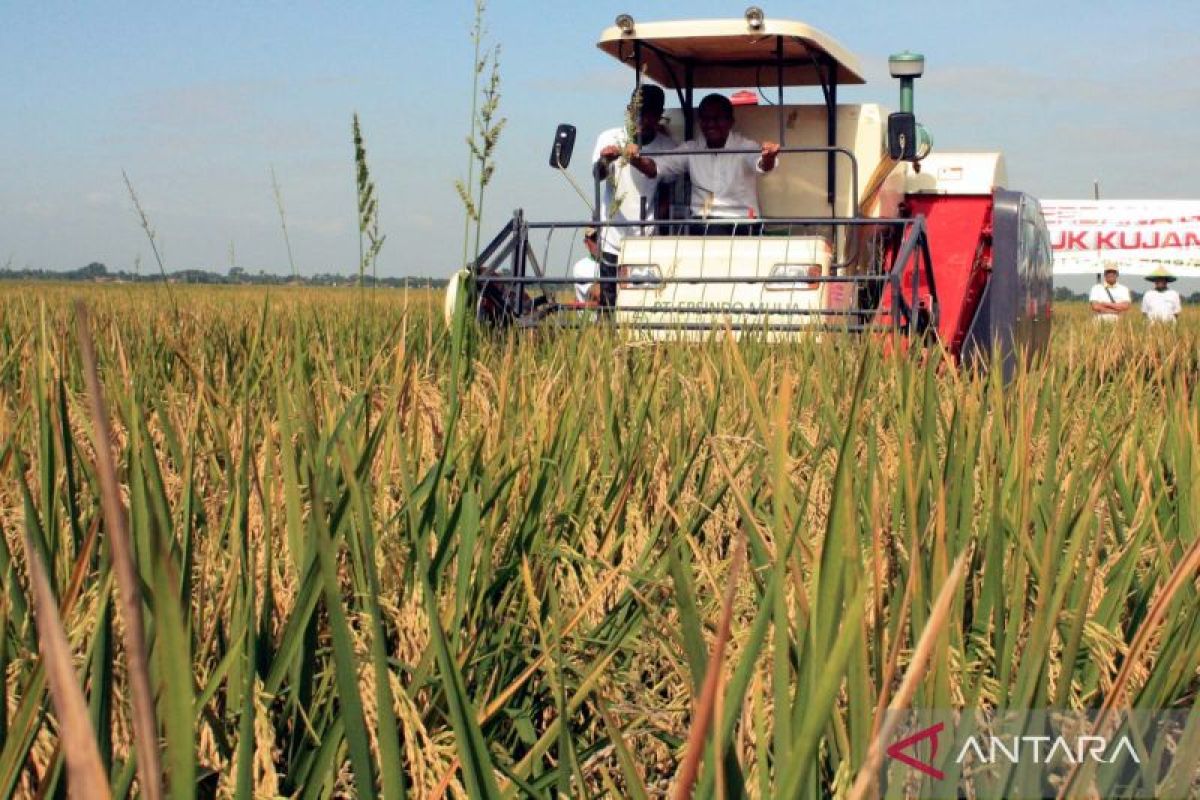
column 793, row 272
column 754, row 18
column 640, row 276
column 625, row 23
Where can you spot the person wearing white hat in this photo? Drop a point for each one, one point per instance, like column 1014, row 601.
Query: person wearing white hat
column 1109, row 298
column 1161, row 304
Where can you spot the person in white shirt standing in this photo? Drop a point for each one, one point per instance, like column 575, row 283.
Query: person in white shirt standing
column 1109, row 298
column 724, row 187
column 1161, row 304
column 630, row 178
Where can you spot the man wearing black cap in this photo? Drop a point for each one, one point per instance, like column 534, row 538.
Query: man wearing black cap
column 630, row 179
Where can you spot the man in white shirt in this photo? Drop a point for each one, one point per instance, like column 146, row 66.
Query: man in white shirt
column 724, row 187
column 1109, row 299
column 630, row 179
column 1161, row 304
column 587, row 269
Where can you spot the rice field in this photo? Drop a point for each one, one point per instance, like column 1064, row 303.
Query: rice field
column 375, row 559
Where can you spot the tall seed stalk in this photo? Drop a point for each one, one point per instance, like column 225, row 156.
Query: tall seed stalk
column 477, row 67
column 150, row 234
column 283, row 220
column 370, row 241
column 633, row 115
column 485, row 129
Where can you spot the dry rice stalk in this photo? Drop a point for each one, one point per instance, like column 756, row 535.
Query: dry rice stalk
column 908, row 686
column 706, row 703
column 1184, row 572
column 128, row 582
column 85, row 772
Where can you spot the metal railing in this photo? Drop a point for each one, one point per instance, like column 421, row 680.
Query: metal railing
column 738, row 151
column 897, row 294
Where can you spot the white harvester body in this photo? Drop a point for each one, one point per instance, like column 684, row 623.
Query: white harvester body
column 673, row 307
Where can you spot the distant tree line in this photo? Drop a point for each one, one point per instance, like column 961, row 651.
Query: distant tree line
column 96, row 272
column 1063, row 294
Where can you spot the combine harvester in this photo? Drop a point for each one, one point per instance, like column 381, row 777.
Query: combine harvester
column 862, row 227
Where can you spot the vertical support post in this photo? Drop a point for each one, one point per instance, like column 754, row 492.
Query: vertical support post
column 915, row 307
column 831, row 135
column 779, row 87
column 689, row 123
column 897, row 298
column 636, row 120
column 637, row 85
column 935, row 315
column 831, row 130
column 522, row 234
column 682, row 189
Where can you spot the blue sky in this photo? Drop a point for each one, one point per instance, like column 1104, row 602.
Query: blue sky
column 198, row 101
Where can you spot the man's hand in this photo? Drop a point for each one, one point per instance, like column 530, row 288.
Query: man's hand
column 608, row 154
column 770, row 153
column 631, row 153
column 644, row 165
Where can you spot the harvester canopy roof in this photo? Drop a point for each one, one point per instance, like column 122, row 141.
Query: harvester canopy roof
column 724, row 53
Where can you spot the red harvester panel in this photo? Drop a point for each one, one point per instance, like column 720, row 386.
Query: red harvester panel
column 960, row 244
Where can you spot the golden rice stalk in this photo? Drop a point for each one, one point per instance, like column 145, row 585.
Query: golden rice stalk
column 85, row 773
column 128, row 582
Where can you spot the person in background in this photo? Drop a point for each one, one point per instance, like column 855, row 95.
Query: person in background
column 587, row 269
column 1161, row 304
column 630, row 179
column 1109, row 298
column 724, row 187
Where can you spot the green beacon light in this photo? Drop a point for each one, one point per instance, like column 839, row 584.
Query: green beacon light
column 907, row 67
